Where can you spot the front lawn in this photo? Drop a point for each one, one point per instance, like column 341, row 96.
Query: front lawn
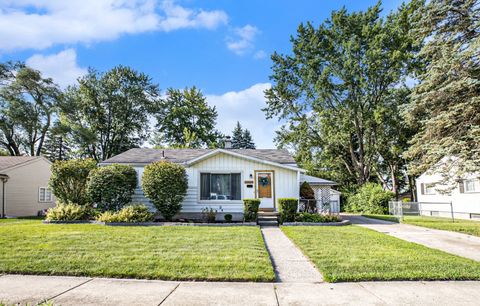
column 353, row 253
column 170, row 253
column 459, row 225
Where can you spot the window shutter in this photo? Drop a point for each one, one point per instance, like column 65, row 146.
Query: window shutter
column 461, row 186
column 422, row 188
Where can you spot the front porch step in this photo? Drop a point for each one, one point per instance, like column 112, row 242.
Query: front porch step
column 267, row 218
column 267, row 223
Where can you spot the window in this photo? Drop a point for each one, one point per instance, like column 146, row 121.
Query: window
column 429, row 189
column 220, row 186
column 471, row 185
column 44, row 194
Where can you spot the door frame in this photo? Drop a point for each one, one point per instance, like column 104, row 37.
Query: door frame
column 273, row 185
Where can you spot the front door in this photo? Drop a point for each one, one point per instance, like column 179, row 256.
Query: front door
column 265, row 188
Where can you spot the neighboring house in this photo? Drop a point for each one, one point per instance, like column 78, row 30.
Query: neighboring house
column 222, row 178
column 24, row 190
column 464, row 197
column 323, row 191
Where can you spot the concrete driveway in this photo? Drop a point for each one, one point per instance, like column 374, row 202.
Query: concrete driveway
column 66, row 291
column 451, row 242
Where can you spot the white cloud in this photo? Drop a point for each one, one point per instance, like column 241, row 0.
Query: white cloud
column 260, row 54
column 245, row 106
column 243, row 41
column 61, row 67
column 31, row 24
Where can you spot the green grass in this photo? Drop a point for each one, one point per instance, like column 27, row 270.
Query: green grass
column 462, row 226
column 353, row 253
column 170, row 253
column 459, row 225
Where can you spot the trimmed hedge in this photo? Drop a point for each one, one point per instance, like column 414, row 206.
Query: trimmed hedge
column 129, row 214
column 69, row 212
column 111, row 187
column 69, row 179
column 287, row 207
column 165, row 184
column 250, row 209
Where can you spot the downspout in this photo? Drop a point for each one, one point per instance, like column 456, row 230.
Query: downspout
column 4, row 179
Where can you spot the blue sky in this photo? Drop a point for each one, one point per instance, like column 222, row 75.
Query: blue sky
column 222, row 47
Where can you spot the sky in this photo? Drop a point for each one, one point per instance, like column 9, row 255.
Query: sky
column 222, row 47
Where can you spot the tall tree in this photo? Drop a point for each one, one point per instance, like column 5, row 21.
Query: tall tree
column 58, row 143
column 108, row 113
column 185, row 110
column 247, row 140
column 332, row 87
column 446, row 101
column 237, row 136
column 28, row 103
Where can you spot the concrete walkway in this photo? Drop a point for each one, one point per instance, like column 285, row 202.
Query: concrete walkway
column 290, row 265
column 67, row 291
column 451, row 242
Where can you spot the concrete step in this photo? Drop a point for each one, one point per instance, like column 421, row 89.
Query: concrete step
column 267, row 223
column 267, row 218
column 268, row 213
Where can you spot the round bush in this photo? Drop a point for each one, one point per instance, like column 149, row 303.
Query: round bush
column 370, row 199
column 69, row 178
column 228, row 217
column 165, row 184
column 111, row 187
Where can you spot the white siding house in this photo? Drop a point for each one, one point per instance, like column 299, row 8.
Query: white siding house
column 222, row 178
column 464, row 197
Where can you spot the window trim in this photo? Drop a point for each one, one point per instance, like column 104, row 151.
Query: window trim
column 432, row 186
column 476, row 184
column 47, row 191
column 199, row 182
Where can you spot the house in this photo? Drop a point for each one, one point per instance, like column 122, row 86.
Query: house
column 436, row 199
column 24, row 186
column 323, row 191
column 222, row 178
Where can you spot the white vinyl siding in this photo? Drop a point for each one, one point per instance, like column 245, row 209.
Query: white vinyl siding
column 44, row 195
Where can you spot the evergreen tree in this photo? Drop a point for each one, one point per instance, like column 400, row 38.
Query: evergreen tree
column 446, row 101
column 247, row 141
column 57, row 145
column 237, row 136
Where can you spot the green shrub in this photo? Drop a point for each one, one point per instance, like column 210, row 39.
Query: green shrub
column 111, row 187
column 130, row 214
column 69, row 212
column 306, row 191
column 228, row 217
column 370, row 199
column 316, row 218
column 69, row 178
column 209, row 214
column 287, row 207
column 250, row 209
column 165, row 184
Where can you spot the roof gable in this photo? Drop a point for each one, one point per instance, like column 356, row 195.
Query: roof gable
column 8, row 162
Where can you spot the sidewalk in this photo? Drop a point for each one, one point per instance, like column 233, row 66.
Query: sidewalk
column 451, row 242
column 290, row 265
column 100, row 291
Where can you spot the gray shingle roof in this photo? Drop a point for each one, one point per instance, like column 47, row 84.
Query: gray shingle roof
column 312, row 180
column 146, row 156
column 11, row 161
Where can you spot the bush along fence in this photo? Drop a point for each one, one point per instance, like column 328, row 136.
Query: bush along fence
column 291, row 214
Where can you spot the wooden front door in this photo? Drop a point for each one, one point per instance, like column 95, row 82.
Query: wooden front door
column 265, row 188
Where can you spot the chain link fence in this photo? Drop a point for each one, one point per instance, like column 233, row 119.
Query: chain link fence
column 428, row 209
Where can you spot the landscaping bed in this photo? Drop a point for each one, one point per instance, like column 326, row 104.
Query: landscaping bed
column 150, row 252
column 340, row 223
column 227, row 224
column 353, row 253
